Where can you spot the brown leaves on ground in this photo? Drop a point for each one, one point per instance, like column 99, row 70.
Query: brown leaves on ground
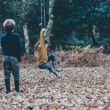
column 80, row 88
column 78, row 57
column 83, row 57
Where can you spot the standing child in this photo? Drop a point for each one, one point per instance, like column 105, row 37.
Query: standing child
column 42, row 57
column 12, row 52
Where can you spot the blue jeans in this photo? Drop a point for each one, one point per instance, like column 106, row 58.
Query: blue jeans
column 47, row 66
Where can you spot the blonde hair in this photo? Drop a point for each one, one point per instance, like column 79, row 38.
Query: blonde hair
column 9, row 25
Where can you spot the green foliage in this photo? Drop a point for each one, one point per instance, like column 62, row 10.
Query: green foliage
column 72, row 16
column 23, row 12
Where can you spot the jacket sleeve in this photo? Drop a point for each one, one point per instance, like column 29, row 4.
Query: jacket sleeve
column 36, row 45
column 20, row 46
column 41, row 39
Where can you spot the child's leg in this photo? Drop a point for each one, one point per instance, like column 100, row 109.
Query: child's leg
column 54, row 62
column 52, row 58
column 48, row 67
column 15, row 72
column 7, row 72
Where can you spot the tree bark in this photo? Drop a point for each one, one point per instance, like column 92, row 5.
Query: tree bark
column 52, row 26
column 27, row 47
column 94, row 43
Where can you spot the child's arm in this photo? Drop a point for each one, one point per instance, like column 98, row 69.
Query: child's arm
column 42, row 37
column 36, row 45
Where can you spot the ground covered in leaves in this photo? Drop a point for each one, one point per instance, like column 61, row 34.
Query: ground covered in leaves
column 82, row 87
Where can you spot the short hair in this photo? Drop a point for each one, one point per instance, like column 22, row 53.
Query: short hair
column 9, row 25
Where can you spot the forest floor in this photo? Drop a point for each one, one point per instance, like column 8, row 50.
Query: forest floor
column 85, row 84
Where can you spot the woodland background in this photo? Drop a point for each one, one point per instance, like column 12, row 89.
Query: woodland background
column 69, row 22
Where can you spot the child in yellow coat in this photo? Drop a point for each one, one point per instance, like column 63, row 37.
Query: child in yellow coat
column 43, row 58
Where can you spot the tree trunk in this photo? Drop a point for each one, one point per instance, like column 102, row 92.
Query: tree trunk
column 27, row 47
column 52, row 26
column 92, row 36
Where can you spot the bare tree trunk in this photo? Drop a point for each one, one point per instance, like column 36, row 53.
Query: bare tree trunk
column 52, row 26
column 26, row 38
column 92, row 36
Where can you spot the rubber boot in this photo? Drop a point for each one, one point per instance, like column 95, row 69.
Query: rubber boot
column 56, row 74
column 54, row 65
column 16, row 85
column 7, row 85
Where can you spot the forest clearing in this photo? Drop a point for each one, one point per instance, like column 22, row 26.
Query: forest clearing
column 80, row 88
column 54, row 54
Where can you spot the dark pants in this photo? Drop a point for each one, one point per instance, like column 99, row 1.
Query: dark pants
column 47, row 66
column 51, row 58
column 11, row 65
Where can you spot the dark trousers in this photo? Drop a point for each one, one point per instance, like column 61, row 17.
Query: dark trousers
column 11, row 65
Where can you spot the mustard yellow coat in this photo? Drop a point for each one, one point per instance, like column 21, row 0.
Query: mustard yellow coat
column 42, row 50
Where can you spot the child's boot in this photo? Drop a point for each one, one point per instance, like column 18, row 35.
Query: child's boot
column 7, row 85
column 16, row 85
